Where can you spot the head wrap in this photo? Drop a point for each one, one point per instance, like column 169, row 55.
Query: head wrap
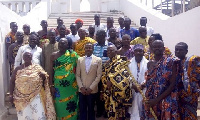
column 138, row 46
column 79, row 20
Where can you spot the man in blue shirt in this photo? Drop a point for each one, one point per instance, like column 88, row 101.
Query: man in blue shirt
column 129, row 30
column 100, row 50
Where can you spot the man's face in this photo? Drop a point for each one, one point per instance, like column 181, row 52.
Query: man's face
column 63, row 44
column 52, row 36
column 33, row 39
column 143, row 32
column 44, row 24
column 151, row 39
column 158, row 47
column 139, row 53
column 79, row 24
column 59, row 22
column 127, row 23
column 100, row 37
column 26, row 29
column 125, row 40
column 88, row 49
column 14, row 27
column 73, row 28
column 62, row 31
column 112, row 33
column 109, row 23
column 111, row 52
column 121, row 21
column 81, row 33
column 91, row 30
column 19, row 36
column 180, row 51
column 143, row 22
column 27, row 57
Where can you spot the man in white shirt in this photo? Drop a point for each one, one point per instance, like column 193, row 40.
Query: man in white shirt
column 31, row 48
column 143, row 22
column 88, row 75
column 98, row 25
column 138, row 67
column 73, row 35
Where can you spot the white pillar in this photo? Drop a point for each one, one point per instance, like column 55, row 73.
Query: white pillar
column 27, row 7
column 64, row 6
column 20, row 7
column 13, row 6
column 183, row 5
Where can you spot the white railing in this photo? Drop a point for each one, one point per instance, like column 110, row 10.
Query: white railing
column 21, row 7
column 170, row 5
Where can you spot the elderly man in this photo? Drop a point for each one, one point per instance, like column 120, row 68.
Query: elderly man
column 138, row 67
column 190, row 77
column 32, row 48
column 116, row 87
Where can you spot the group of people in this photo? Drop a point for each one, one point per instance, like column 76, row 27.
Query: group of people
column 127, row 73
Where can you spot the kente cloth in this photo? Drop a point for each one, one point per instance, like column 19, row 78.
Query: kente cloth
column 139, row 40
column 138, row 72
column 80, row 45
column 119, row 97
column 10, row 37
column 66, row 95
column 190, row 90
column 157, row 82
column 28, row 87
column 43, row 42
column 150, row 56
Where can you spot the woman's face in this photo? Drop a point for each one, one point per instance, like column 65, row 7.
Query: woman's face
column 27, row 57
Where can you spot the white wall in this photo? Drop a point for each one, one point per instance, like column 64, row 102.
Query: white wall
column 33, row 18
column 180, row 28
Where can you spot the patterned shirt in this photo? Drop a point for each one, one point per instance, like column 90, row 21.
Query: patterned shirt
column 101, row 51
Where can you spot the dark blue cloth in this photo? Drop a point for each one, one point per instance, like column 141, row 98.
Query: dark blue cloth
column 132, row 32
column 87, row 106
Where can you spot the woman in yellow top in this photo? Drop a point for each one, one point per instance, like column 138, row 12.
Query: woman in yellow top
column 79, row 46
column 29, row 88
column 143, row 39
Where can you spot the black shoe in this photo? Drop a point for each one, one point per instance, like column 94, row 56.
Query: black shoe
column 98, row 115
column 105, row 115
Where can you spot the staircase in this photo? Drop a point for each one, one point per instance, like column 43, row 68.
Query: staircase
column 87, row 17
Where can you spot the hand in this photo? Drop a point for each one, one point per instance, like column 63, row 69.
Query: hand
column 109, row 84
column 42, row 75
column 83, row 90
column 143, row 86
column 88, row 91
column 151, row 102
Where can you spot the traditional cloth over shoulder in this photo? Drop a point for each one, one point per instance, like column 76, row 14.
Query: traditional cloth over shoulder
column 29, row 89
column 119, row 97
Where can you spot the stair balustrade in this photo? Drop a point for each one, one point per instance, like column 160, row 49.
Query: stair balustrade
column 21, row 7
